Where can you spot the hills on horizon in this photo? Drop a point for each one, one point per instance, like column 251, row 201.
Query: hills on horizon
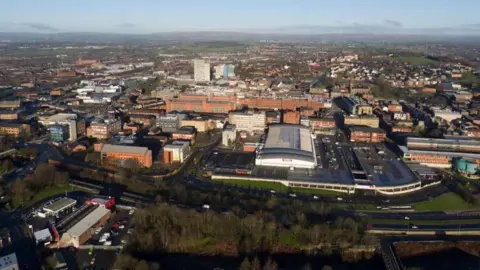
column 353, row 32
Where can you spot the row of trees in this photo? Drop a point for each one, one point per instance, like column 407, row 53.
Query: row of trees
column 167, row 229
column 44, row 176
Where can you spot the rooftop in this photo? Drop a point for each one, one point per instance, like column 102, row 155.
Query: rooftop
column 289, row 137
column 110, row 148
column 60, row 204
column 87, row 222
column 59, row 117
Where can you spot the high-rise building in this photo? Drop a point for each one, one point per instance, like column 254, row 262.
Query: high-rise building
column 224, row 70
column 201, row 70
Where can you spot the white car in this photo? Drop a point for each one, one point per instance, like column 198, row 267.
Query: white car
column 293, row 195
column 107, row 234
column 121, row 227
column 103, row 239
column 315, row 197
column 272, row 191
column 108, row 243
column 206, row 206
column 414, row 227
column 339, row 199
column 131, row 212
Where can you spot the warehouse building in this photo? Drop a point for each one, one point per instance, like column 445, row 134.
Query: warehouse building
column 9, row 262
column 288, row 146
column 60, row 206
column 84, row 229
column 450, row 145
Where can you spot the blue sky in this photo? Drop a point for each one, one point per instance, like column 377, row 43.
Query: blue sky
column 191, row 15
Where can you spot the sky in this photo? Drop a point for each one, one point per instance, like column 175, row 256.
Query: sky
column 147, row 16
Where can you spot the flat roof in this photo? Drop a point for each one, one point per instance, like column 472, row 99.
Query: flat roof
column 405, row 150
column 465, row 141
column 111, row 148
column 60, row 205
column 288, row 141
column 87, row 222
column 366, row 129
column 61, row 117
column 9, row 261
column 42, row 234
column 383, row 171
column 289, row 137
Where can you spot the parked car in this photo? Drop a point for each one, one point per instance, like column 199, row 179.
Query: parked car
column 108, row 243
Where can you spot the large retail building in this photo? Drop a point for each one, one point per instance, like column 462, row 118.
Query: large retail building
column 288, row 146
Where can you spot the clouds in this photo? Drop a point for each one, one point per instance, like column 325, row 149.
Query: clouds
column 40, row 27
column 393, row 23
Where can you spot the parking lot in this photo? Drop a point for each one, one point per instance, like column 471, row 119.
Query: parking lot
column 104, row 259
column 117, row 227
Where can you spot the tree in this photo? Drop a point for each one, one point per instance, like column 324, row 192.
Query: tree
column 131, row 164
column 93, row 158
column 256, row 264
column 307, row 266
column 270, row 265
column 142, row 265
column 245, row 265
column 21, row 192
column 7, row 165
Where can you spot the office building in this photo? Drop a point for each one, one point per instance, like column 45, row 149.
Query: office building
column 224, row 71
column 118, row 155
column 201, row 69
column 104, row 129
column 73, row 125
column 58, row 133
column 366, row 134
column 14, row 129
column 170, row 122
column 229, row 135
column 250, row 121
column 177, row 151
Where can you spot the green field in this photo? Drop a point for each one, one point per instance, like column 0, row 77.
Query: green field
column 48, row 192
column 444, row 202
column 276, row 186
column 414, row 60
column 205, row 47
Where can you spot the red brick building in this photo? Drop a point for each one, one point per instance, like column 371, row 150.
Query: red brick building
column 281, row 104
column 291, row 117
column 366, row 134
column 203, row 104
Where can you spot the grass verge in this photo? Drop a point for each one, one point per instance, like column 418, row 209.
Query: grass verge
column 276, row 186
column 48, row 192
column 445, row 202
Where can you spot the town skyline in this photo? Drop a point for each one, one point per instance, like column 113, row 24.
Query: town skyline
column 303, row 17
